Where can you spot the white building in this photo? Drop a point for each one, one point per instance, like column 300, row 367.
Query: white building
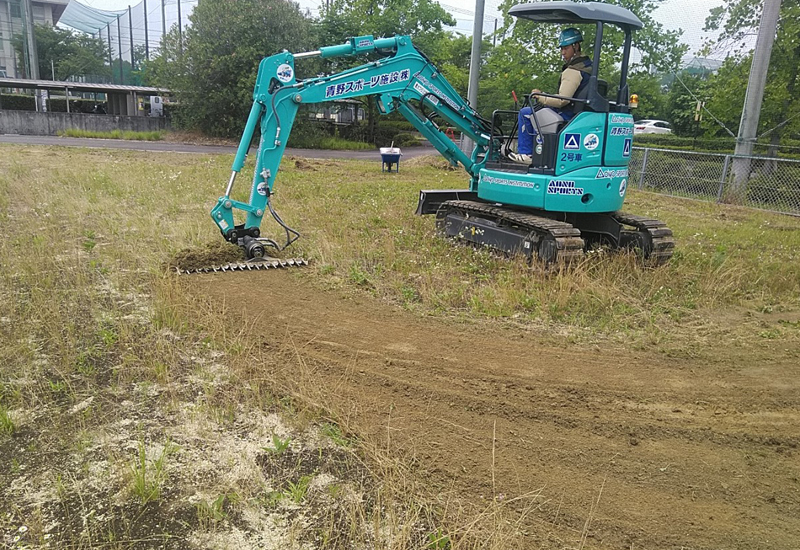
column 12, row 19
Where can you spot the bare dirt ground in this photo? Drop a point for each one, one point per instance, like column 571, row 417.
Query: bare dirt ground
column 610, row 448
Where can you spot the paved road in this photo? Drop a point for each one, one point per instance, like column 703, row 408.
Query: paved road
column 164, row 146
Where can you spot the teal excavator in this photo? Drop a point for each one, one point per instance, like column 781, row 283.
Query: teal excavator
column 567, row 200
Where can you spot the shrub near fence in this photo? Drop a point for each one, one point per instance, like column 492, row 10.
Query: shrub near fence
column 18, row 102
column 790, row 148
column 773, row 184
column 59, row 105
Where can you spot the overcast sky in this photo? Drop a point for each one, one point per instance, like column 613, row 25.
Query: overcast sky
column 688, row 15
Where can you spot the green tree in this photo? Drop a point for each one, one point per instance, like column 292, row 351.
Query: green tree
column 213, row 68
column 422, row 20
column 780, row 111
column 681, row 104
column 69, row 53
column 652, row 98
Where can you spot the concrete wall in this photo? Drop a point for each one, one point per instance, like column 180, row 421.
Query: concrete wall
column 50, row 124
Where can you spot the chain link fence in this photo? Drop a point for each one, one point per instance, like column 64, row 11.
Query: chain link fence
column 758, row 182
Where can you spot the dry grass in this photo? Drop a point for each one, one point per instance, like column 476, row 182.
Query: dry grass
column 106, row 361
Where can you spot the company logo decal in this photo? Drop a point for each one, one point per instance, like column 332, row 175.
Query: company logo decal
column 626, row 149
column 504, row 181
column 563, row 187
column 621, row 131
column 447, row 99
column 285, row 73
column 572, row 141
column 621, row 119
column 591, row 142
column 611, row 173
column 420, row 89
column 622, row 187
column 360, row 85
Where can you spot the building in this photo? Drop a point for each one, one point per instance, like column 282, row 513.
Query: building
column 12, row 23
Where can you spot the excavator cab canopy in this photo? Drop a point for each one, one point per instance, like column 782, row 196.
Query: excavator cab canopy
column 569, row 13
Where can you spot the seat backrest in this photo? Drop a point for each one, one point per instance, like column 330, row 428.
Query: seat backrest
column 602, row 87
column 602, row 90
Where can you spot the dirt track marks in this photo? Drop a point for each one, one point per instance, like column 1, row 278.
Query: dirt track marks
column 677, row 453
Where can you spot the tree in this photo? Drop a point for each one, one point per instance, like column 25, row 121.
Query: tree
column 652, row 99
column 780, row 111
column 213, row 68
column 681, row 103
column 422, row 20
column 69, row 53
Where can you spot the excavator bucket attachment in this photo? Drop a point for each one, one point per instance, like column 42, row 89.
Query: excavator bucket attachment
column 264, row 263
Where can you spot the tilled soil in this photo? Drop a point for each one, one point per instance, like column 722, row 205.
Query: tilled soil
column 612, row 448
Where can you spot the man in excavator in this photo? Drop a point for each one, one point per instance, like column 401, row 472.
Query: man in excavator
column 574, row 78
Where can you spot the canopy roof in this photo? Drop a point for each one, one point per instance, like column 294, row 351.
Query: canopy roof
column 576, row 13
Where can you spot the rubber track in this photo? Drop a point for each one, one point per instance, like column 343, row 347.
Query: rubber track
column 660, row 235
column 273, row 263
column 569, row 244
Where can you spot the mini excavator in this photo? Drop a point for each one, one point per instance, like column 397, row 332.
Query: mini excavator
column 567, row 200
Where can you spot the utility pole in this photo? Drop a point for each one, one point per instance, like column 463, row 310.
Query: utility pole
column 163, row 20
column 110, row 61
column 33, row 56
column 180, row 28
column 146, row 35
column 130, row 35
column 748, row 126
column 119, row 49
column 474, row 65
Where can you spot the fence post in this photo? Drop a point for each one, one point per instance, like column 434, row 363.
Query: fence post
column 723, row 177
column 644, row 167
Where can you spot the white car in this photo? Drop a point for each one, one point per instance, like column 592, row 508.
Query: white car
column 651, row 127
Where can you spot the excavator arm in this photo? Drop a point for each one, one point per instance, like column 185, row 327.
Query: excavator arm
column 404, row 81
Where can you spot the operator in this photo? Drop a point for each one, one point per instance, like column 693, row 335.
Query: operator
column 574, row 78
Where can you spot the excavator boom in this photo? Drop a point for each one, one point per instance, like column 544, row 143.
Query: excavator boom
column 405, row 81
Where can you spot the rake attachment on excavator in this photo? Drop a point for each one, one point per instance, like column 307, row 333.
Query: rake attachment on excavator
column 252, row 265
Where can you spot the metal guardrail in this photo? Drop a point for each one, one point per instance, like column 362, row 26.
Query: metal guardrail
column 759, row 182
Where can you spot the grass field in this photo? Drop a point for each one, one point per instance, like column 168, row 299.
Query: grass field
column 130, row 419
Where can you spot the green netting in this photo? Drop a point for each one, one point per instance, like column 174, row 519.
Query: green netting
column 87, row 19
column 141, row 26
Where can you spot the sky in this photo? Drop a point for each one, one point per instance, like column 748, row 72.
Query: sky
column 688, row 15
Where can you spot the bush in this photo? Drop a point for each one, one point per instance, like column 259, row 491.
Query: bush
column 18, row 102
column 308, row 133
column 405, row 140
column 386, row 132
column 791, row 147
column 59, row 105
column 391, row 131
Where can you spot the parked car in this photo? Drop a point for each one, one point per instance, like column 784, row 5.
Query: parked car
column 651, row 127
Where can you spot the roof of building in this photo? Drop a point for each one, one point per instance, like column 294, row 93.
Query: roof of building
column 79, row 86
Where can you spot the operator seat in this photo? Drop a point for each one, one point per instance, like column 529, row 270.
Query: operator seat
column 602, row 89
